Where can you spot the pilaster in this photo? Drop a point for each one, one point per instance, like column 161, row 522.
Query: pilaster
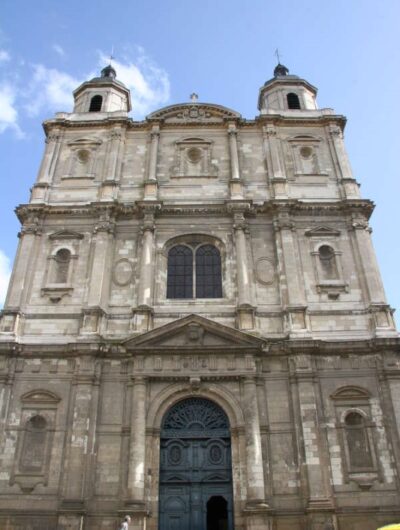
column 381, row 314
column 151, row 184
column 236, row 185
column 245, row 310
column 292, row 284
column 275, row 166
column 316, row 455
column 109, row 186
column 137, row 446
column 80, row 439
column 143, row 313
column 47, row 168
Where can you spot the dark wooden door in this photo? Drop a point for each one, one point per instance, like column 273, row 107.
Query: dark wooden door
column 195, row 468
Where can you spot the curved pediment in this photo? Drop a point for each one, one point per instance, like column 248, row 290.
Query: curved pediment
column 40, row 396
column 194, row 112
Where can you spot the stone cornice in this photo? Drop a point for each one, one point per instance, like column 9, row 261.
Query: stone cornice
column 280, row 120
column 147, row 124
column 112, row 348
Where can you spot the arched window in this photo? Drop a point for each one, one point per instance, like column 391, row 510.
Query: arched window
column 34, row 446
column 357, row 441
column 63, row 259
column 327, row 260
column 194, row 271
column 208, row 272
column 293, row 101
column 180, row 272
column 95, row 104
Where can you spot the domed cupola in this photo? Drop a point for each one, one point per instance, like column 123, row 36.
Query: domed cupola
column 285, row 92
column 102, row 94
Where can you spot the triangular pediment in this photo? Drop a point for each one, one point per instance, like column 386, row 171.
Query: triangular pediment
column 194, row 333
column 322, row 231
column 66, row 234
column 194, row 112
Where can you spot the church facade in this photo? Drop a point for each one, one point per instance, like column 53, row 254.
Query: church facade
column 196, row 332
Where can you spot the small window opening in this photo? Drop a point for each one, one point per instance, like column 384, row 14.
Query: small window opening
column 357, row 441
column 33, row 451
column 293, row 101
column 63, row 258
column 95, row 104
column 328, row 262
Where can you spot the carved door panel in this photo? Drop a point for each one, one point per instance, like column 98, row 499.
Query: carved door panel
column 195, row 468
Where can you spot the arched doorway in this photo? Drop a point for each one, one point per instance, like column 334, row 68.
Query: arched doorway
column 195, row 467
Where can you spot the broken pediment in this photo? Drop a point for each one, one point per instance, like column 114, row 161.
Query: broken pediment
column 194, row 333
column 194, row 112
column 322, row 231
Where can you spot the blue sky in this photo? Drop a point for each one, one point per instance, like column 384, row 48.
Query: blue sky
column 224, row 51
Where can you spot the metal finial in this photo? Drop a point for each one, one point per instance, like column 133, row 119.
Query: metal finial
column 194, row 97
column 112, row 55
column 278, row 55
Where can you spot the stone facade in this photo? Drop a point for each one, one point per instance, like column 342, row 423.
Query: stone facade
column 300, row 351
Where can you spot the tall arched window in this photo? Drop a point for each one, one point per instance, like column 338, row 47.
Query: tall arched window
column 357, row 441
column 293, row 101
column 180, row 272
column 194, row 271
column 63, row 259
column 328, row 263
column 95, row 104
column 208, row 272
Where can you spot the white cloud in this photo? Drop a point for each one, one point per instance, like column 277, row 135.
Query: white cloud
column 149, row 84
column 58, row 49
column 5, row 273
column 4, row 56
column 8, row 111
column 50, row 89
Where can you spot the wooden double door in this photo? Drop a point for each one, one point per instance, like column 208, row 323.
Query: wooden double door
column 196, row 469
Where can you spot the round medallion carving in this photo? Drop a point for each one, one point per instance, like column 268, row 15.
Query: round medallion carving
column 215, row 454
column 123, row 271
column 175, row 455
column 194, row 154
column 306, row 152
column 265, row 271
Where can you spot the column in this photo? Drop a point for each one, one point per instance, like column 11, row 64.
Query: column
column 77, row 474
column 380, row 310
column 291, row 282
column 275, row 167
column 113, row 165
column 245, row 310
column 236, row 184
column 254, row 460
column 137, row 447
column 47, row 167
column 100, row 274
column 150, row 187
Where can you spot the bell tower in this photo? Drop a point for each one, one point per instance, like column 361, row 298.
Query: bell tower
column 102, row 94
column 285, row 92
